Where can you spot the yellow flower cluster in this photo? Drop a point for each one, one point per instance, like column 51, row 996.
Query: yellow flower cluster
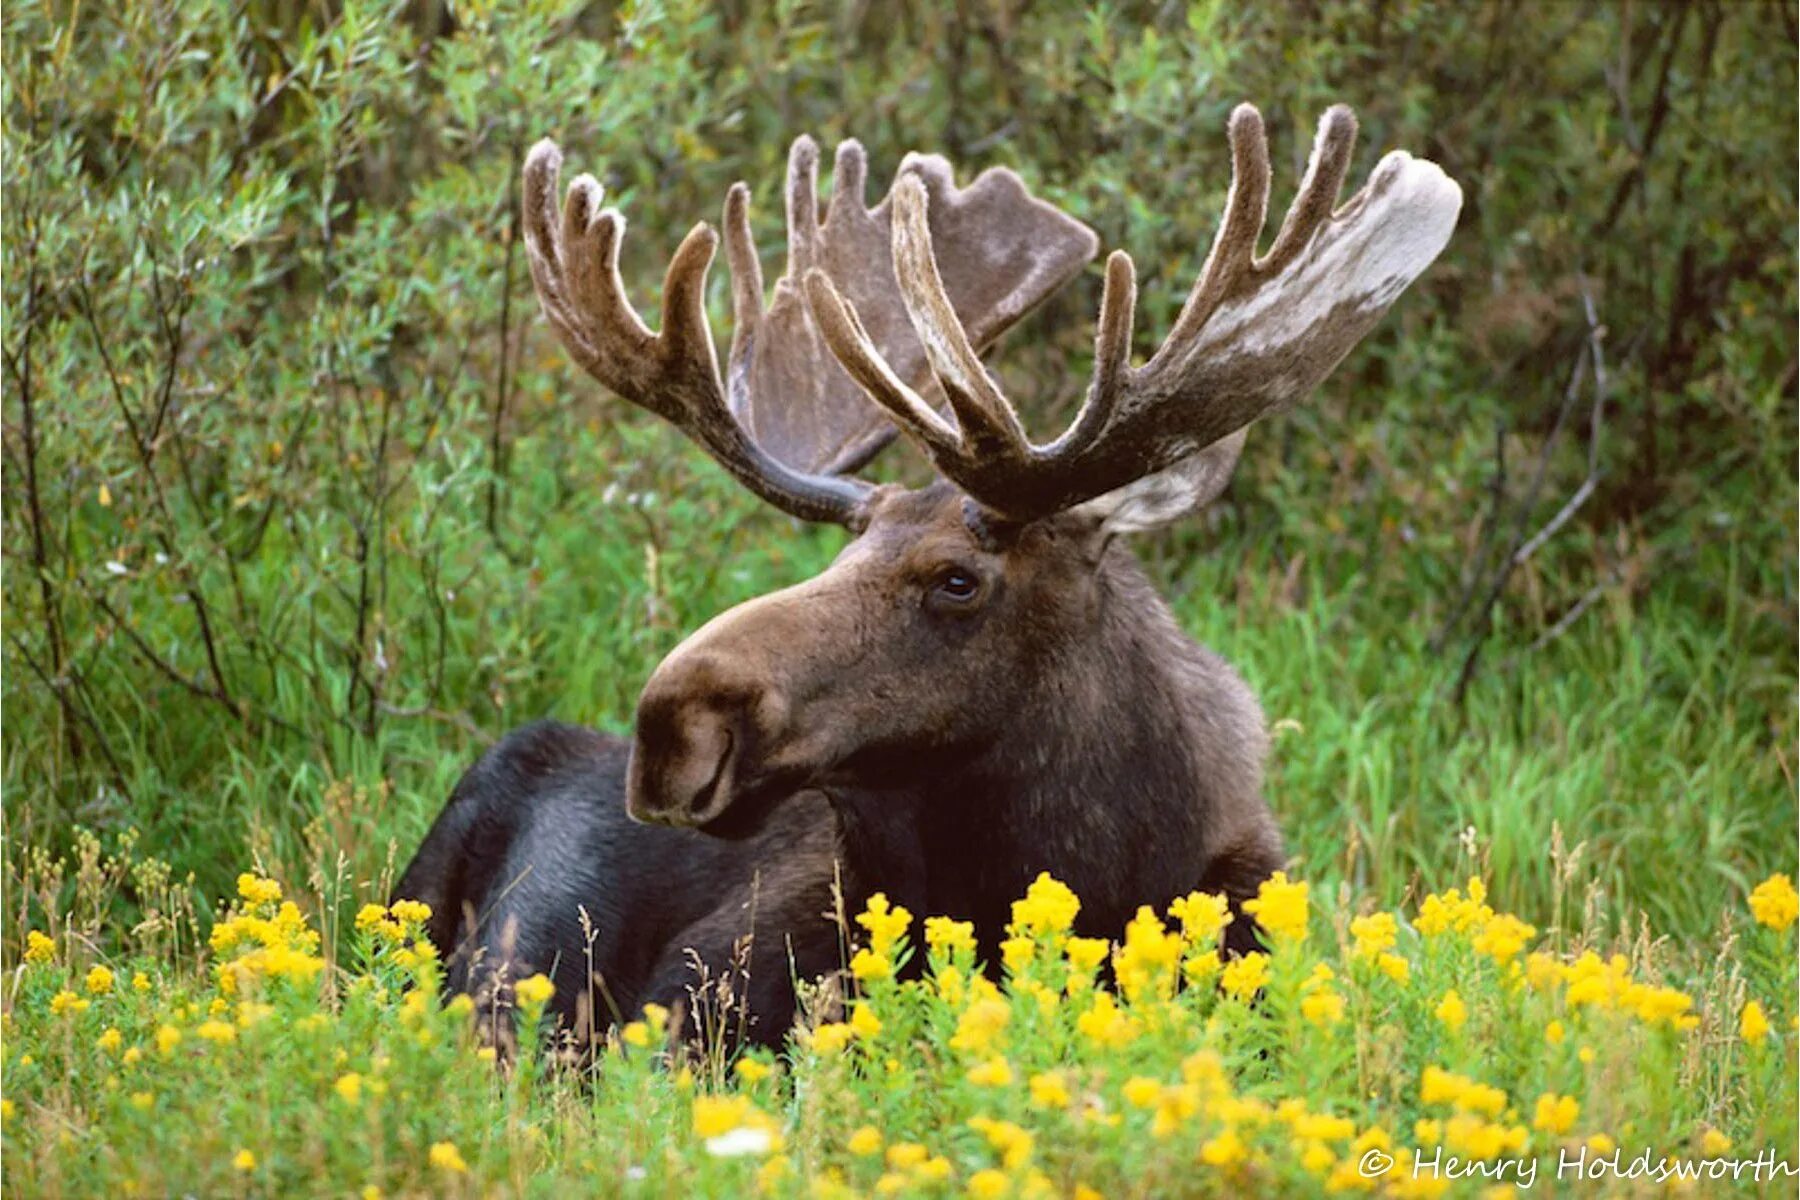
column 1048, row 908
column 885, row 923
column 1775, row 903
column 1142, row 1071
column 1607, row 984
column 265, row 944
column 1145, row 963
column 39, row 948
column 1280, row 907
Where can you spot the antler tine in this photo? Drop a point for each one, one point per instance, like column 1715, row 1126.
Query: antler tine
column 1325, row 171
column 673, row 373
column 855, row 351
column 1234, row 246
column 1112, row 355
column 989, row 425
column 746, row 292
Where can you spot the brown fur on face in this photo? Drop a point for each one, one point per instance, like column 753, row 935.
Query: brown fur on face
column 878, row 669
column 1054, row 719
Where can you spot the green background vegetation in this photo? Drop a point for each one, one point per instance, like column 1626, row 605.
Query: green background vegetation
column 304, row 505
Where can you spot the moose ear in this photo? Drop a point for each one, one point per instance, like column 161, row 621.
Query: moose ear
column 1171, row 494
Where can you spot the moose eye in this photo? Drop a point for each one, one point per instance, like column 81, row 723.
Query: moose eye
column 956, row 586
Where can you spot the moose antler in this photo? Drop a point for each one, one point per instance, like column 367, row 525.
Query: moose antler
column 789, row 420
column 1256, row 336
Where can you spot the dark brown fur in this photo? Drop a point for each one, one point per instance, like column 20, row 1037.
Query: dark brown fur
column 857, row 728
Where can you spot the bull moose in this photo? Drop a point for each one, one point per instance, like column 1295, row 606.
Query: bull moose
column 984, row 684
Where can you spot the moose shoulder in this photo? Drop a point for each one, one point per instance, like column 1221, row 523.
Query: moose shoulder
column 984, row 685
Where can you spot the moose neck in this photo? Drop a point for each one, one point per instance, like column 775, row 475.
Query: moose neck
column 1133, row 765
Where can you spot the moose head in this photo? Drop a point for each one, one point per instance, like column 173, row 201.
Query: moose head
column 983, row 636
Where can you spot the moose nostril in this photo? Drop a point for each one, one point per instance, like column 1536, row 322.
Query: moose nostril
column 703, row 801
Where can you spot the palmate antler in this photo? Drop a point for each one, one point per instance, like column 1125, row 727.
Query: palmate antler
column 787, row 419
column 1257, row 334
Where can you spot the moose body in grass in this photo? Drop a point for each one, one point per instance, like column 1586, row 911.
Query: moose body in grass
column 984, row 685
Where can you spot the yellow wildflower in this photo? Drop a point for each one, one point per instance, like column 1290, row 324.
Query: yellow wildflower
column 1451, row 912
column 864, row 1023
column 865, row 1141
column 753, row 1070
column 371, row 915
column 1713, row 1143
column 1601, row 1144
column 828, row 1040
column 1452, row 1011
column 1203, row 917
column 1145, row 963
column 39, row 948
column 143, row 1101
column 1280, row 907
column 716, row 1115
column 1374, row 933
column 349, row 1087
column 257, row 890
column 904, row 1156
column 885, row 923
column 1555, row 1114
column 867, row 965
column 1243, row 977
column 1049, row 1090
column 1201, row 968
column 1140, row 1091
column 1753, row 1026
column 140, row 982
column 1012, row 1141
column 410, row 912
column 65, row 1002
column 980, row 1025
column 1775, row 903
column 110, row 1040
column 1016, row 953
column 216, row 1031
column 935, row 1169
column 987, row 1184
column 446, row 1157
column 167, row 1038
column 1323, row 1006
column 1086, row 953
column 995, row 1072
column 1227, row 1149
column 1393, row 966
column 534, row 991
column 243, row 1160
column 1049, row 907
column 635, row 1033
column 1103, row 1023
column 1554, row 1033
column 942, row 933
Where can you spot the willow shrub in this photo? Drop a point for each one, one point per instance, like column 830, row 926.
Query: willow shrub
column 1377, row 1051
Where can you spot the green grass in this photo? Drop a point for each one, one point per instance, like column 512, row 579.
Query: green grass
column 1645, row 740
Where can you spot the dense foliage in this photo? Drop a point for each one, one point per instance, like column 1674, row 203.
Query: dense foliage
column 1380, row 1053
column 303, row 507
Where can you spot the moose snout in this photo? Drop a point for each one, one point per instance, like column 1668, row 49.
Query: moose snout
column 700, row 725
